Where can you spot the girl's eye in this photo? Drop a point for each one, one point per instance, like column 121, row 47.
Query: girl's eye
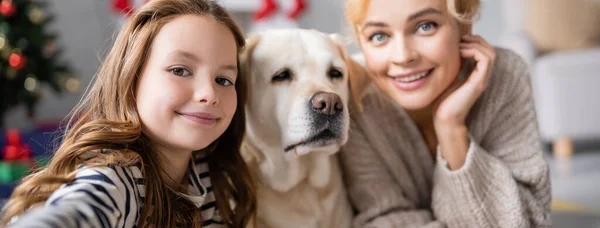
column 179, row 71
column 378, row 38
column 224, row 81
column 426, row 28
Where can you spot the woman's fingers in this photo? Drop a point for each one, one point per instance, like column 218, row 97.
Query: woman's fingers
column 484, row 62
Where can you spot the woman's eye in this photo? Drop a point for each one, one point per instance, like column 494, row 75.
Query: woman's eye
column 426, row 28
column 224, row 81
column 378, row 38
column 179, row 71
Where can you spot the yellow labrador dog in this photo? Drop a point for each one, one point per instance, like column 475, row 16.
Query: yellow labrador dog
column 300, row 86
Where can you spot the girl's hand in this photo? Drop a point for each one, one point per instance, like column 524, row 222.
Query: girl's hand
column 453, row 106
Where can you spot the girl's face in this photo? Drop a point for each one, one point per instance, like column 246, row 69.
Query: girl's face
column 186, row 96
column 412, row 49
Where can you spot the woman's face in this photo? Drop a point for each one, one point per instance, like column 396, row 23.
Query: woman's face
column 412, row 49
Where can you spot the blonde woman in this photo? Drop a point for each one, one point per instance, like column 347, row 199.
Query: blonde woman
column 447, row 136
column 156, row 139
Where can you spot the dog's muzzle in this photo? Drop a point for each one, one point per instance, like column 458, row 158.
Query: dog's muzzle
column 326, row 120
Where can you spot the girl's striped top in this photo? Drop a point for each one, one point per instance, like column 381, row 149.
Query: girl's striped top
column 112, row 197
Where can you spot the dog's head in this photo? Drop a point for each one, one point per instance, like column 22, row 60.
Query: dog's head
column 300, row 86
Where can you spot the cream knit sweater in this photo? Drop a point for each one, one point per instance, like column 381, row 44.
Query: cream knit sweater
column 393, row 181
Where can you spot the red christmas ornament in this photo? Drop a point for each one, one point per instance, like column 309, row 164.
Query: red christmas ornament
column 13, row 137
column 7, row 8
column 122, row 6
column 16, row 152
column 127, row 7
column 16, row 61
column 299, row 6
column 268, row 7
column 10, row 153
column 14, row 149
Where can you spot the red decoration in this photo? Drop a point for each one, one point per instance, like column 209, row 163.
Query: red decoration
column 127, row 7
column 122, row 6
column 10, row 153
column 13, row 137
column 299, row 6
column 14, row 149
column 268, row 7
column 16, row 61
column 7, row 8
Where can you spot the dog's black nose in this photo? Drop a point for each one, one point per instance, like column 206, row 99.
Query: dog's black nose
column 329, row 104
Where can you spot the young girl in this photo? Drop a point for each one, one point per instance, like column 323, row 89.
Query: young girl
column 448, row 136
column 155, row 141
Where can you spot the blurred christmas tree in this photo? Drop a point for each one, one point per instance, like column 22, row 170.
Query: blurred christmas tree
column 28, row 56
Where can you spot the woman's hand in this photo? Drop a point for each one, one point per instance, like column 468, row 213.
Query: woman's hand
column 453, row 106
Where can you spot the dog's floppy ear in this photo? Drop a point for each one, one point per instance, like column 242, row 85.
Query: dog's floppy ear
column 341, row 42
column 358, row 77
column 246, row 54
column 359, row 80
column 245, row 63
column 248, row 152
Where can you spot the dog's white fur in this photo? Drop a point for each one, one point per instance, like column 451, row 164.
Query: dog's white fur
column 303, row 186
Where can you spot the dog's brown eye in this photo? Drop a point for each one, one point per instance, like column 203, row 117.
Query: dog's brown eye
column 333, row 73
column 282, row 76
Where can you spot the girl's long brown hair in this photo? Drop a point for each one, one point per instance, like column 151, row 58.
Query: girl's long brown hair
column 105, row 125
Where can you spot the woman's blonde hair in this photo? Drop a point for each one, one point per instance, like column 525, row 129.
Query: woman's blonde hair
column 465, row 11
column 106, row 127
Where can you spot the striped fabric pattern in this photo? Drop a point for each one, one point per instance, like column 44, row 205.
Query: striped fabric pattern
column 113, row 197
